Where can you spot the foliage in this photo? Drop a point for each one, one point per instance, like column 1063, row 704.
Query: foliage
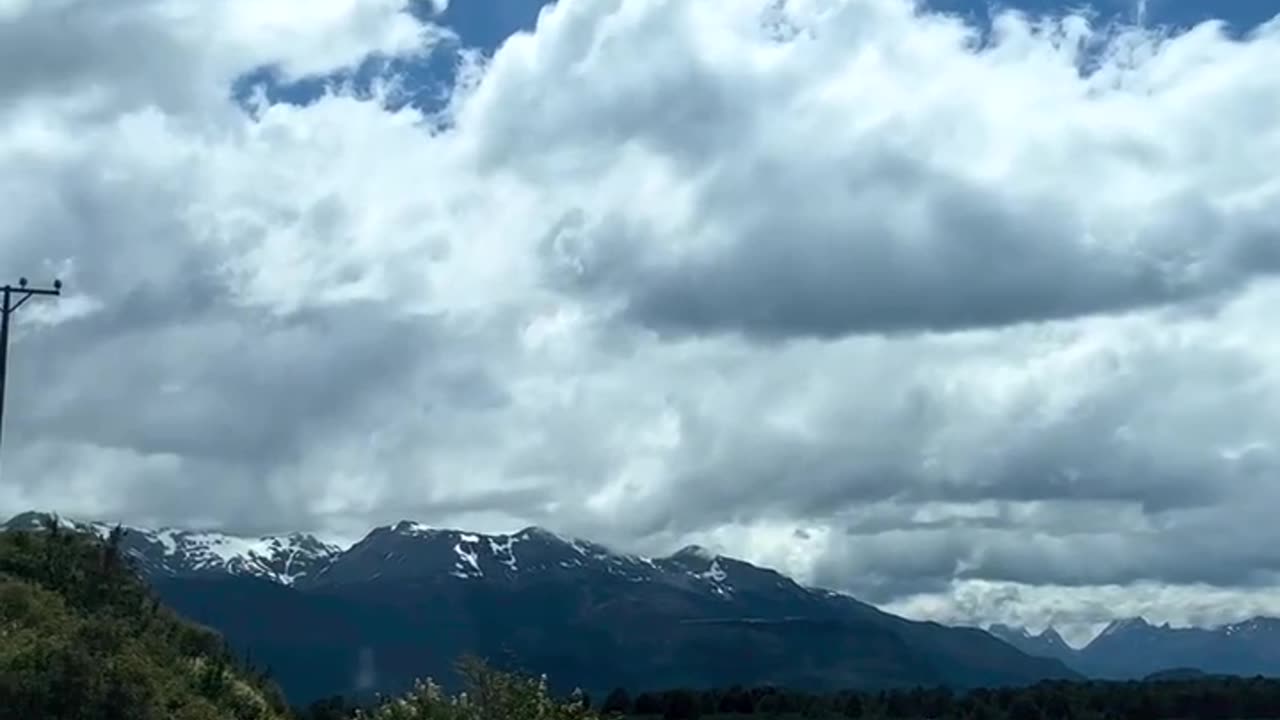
column 489, row 694
column 82, row 637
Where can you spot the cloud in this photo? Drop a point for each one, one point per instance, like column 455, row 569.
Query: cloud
column 913, row 176
column 92, row 61
column 949, row 318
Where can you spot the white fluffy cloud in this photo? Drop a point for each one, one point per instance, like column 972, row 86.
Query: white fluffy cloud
column 940, row 316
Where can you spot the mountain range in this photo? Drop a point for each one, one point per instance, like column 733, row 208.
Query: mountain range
column 407, row 600
column 1133, row 648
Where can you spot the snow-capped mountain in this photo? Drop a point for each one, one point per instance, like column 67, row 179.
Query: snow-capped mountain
column 1129, row 628
column 1139, row 630
column 413, row 550
column 171, row 552
column 411, row 599
column 410, row 550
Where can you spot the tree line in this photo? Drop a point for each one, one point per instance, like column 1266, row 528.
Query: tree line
column 1206, row 698
column 1202, row 698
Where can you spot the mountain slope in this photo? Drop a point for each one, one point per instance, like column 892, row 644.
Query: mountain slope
column 406, row 600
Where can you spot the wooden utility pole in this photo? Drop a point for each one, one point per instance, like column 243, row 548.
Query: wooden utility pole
column 14, row 297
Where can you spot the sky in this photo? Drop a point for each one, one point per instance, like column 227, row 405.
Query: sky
column 962, row 310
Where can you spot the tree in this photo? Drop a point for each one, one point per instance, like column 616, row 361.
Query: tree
column 648, row 704
column 617, row 702
column 1024, row 708
column 852, row 707
column 489, row 694
column 681, row 705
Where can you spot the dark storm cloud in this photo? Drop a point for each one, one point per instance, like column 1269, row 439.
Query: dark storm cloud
column 760, row 473
column 904, row 558
column 62, row 49
column 888, row 244
column 226, row 384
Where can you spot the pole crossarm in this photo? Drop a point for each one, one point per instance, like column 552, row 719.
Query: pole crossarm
column 34, row 291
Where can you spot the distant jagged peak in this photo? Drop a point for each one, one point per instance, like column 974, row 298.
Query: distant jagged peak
column 1262, row 628
column 1051, row 634
column 1126, row 625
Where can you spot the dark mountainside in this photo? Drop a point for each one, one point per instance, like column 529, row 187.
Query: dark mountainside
column 1135, row 649
column 406, row 601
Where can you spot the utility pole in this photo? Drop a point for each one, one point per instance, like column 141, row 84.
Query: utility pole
column 14, row 297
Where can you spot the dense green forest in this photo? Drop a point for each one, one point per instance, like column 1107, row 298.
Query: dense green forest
column 83, row 638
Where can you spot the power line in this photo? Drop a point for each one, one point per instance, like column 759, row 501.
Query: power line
column 14, row 298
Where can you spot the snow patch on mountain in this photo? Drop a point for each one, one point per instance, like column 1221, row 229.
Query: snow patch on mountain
column 503, row 549
column 716, row 576
column 468, row 564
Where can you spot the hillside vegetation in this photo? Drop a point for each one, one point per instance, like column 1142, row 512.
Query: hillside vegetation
column 82, row 637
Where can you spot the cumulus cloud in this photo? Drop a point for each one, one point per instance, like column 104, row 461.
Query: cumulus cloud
column 917, row 174
column 935, row 313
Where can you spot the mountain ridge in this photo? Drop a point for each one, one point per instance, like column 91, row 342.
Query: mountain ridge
column 174, row 551
column 408, row 550
column 408, row 599
column 305, row 561
column 1135, row 648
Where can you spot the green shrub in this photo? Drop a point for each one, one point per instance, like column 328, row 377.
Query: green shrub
column 489, row 695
